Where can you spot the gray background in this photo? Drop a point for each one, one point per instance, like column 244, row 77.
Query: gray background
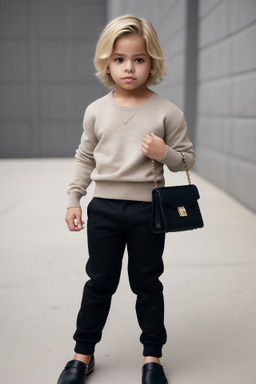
column 47, row 78
column 47, row 74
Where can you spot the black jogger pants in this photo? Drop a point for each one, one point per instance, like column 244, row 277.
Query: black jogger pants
column 112, row 225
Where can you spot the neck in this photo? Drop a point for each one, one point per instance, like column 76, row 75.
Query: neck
column 131, row 98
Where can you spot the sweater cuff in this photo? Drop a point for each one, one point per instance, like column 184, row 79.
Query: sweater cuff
column 172, row 159
column 74, row 199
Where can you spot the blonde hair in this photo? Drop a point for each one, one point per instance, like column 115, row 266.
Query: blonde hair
column 123, row 26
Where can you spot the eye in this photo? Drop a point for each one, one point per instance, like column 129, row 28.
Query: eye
column 139, row 60
column 119, row 60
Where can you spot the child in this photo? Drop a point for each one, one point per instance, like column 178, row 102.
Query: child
column 123, row 131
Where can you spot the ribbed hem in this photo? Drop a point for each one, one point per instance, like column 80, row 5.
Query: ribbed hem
column 153, row 350
column 172, row 159
column 84, row 349
column 124, row 191
column 74, row 199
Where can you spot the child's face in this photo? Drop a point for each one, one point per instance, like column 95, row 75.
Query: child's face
column 130, row 64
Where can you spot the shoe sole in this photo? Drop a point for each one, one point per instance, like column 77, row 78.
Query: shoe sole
column 90, row 370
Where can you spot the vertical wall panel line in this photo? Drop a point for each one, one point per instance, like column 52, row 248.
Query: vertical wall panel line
column 191, row 66
column 35, row 134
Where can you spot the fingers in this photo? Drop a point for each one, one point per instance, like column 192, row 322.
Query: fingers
column 146, row 142
column 74, row 219
column 148, row 139
column 153, row 146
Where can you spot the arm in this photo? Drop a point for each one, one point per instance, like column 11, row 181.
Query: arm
column 167, row 151
column 84, row 162
column 84, row 165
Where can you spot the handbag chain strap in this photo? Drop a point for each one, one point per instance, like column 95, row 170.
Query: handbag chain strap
column 185, row 165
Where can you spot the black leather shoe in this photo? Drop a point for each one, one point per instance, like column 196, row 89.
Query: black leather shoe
column 75, row 372
column 153, row 373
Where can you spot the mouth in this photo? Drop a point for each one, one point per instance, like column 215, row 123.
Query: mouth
column 128, row 78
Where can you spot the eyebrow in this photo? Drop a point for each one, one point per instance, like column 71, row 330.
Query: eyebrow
column 123, row 54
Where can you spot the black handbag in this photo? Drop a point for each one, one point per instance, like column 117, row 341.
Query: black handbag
column 175, row 208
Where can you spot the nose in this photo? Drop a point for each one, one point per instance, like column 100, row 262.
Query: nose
column 129, row 67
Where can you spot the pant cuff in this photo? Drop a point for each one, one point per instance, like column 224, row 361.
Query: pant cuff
column 152, row 350
column 84, row 349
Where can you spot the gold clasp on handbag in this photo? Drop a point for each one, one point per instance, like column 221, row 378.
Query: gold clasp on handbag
column 182, row 211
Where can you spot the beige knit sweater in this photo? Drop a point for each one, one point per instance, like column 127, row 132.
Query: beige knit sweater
column 110, row 149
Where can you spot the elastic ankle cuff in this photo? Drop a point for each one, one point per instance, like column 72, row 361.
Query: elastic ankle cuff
column 84, row 349
column 152, row 350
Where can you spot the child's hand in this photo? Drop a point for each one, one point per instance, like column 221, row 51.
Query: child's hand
column 74, row 219
column 153, row 147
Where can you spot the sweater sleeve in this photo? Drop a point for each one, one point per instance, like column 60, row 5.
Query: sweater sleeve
column 84, row 161
column 177, row 141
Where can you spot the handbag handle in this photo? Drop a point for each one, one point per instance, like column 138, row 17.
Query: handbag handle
column 185, row 166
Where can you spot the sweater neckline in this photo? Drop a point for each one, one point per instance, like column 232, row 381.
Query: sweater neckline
column 130, row 109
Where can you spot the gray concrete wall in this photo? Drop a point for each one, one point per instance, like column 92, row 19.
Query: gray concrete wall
column 226, row 115
column 46, row 74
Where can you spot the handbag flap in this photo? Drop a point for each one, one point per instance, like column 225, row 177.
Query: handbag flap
column 183, row 195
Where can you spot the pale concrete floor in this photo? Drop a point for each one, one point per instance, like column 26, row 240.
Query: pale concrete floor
column 209, row 279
